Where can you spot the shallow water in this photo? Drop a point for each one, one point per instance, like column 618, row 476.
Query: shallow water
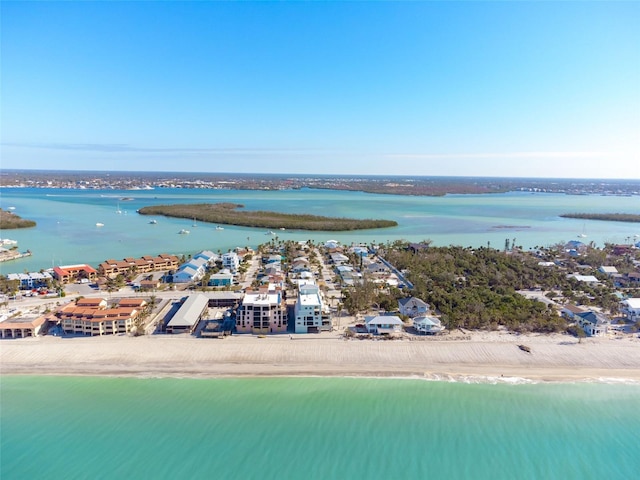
column 315, row 428
column 66, row 231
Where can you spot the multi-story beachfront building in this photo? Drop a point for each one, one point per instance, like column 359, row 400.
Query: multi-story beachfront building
column 94, row 317
column 311, row 314
column 262, row 311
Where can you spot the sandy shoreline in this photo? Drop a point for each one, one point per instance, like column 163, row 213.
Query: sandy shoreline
column 479, row 357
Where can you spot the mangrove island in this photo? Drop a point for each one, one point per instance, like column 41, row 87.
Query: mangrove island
column 229, row 214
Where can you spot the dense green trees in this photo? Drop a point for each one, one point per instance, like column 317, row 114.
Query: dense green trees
column 476, row 288
column 9, row 220
column 229, row 214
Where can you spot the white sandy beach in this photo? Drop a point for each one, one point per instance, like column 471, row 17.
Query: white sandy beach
column 478, row 356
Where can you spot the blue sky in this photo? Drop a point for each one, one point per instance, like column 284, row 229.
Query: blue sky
column 544, row 89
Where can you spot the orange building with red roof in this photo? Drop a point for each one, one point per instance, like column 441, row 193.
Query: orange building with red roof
column 93, row 316
column 69, row 273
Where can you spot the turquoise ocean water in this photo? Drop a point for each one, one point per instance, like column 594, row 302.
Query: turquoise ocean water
column 315, row 428
column 66, row 231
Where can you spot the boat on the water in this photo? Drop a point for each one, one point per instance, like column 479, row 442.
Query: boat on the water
column 153, row 222
column 270, row 232
column 8, row 241
column 218, row 227
column 99, row 224
column 184, row 232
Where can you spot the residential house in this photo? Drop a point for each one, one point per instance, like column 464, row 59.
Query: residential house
column 583, row 278
column 360, row 250
column 412, row 307
column 231, row 262
column 607, row 270
column 338, row 258
column 192, row 271
column 331, row 244
column 631, row 309
column 569, row 311
column 299, row 266
column 383, row 324
column 224, row 278
column 427, row 325
column 594, row 324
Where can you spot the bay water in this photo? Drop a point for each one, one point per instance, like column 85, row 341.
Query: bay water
column 66, row 231
column 315, row 428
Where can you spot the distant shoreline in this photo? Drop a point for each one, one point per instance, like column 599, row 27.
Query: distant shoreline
column 377, row 184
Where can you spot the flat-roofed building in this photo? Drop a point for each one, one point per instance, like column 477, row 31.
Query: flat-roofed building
column 189, row 314
column 311, row 314
column 224, row 299
column 231, row 261
column 262, row 311
column 31, row 280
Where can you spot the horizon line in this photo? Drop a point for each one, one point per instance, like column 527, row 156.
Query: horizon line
column 3, row 171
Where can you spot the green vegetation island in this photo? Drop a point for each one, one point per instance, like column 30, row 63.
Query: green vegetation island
column 609, row 217
column 228, row 214
column 11, row 221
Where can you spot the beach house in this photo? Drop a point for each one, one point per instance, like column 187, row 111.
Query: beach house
column 593, row 323
column 427, row 325
column 383, row 324
column 412, row 307
column 630, row 308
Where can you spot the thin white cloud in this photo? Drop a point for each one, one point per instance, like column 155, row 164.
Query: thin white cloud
column 509, row 155
column 124, row 148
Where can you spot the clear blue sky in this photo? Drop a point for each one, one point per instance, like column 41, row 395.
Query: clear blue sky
column 545, row 89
